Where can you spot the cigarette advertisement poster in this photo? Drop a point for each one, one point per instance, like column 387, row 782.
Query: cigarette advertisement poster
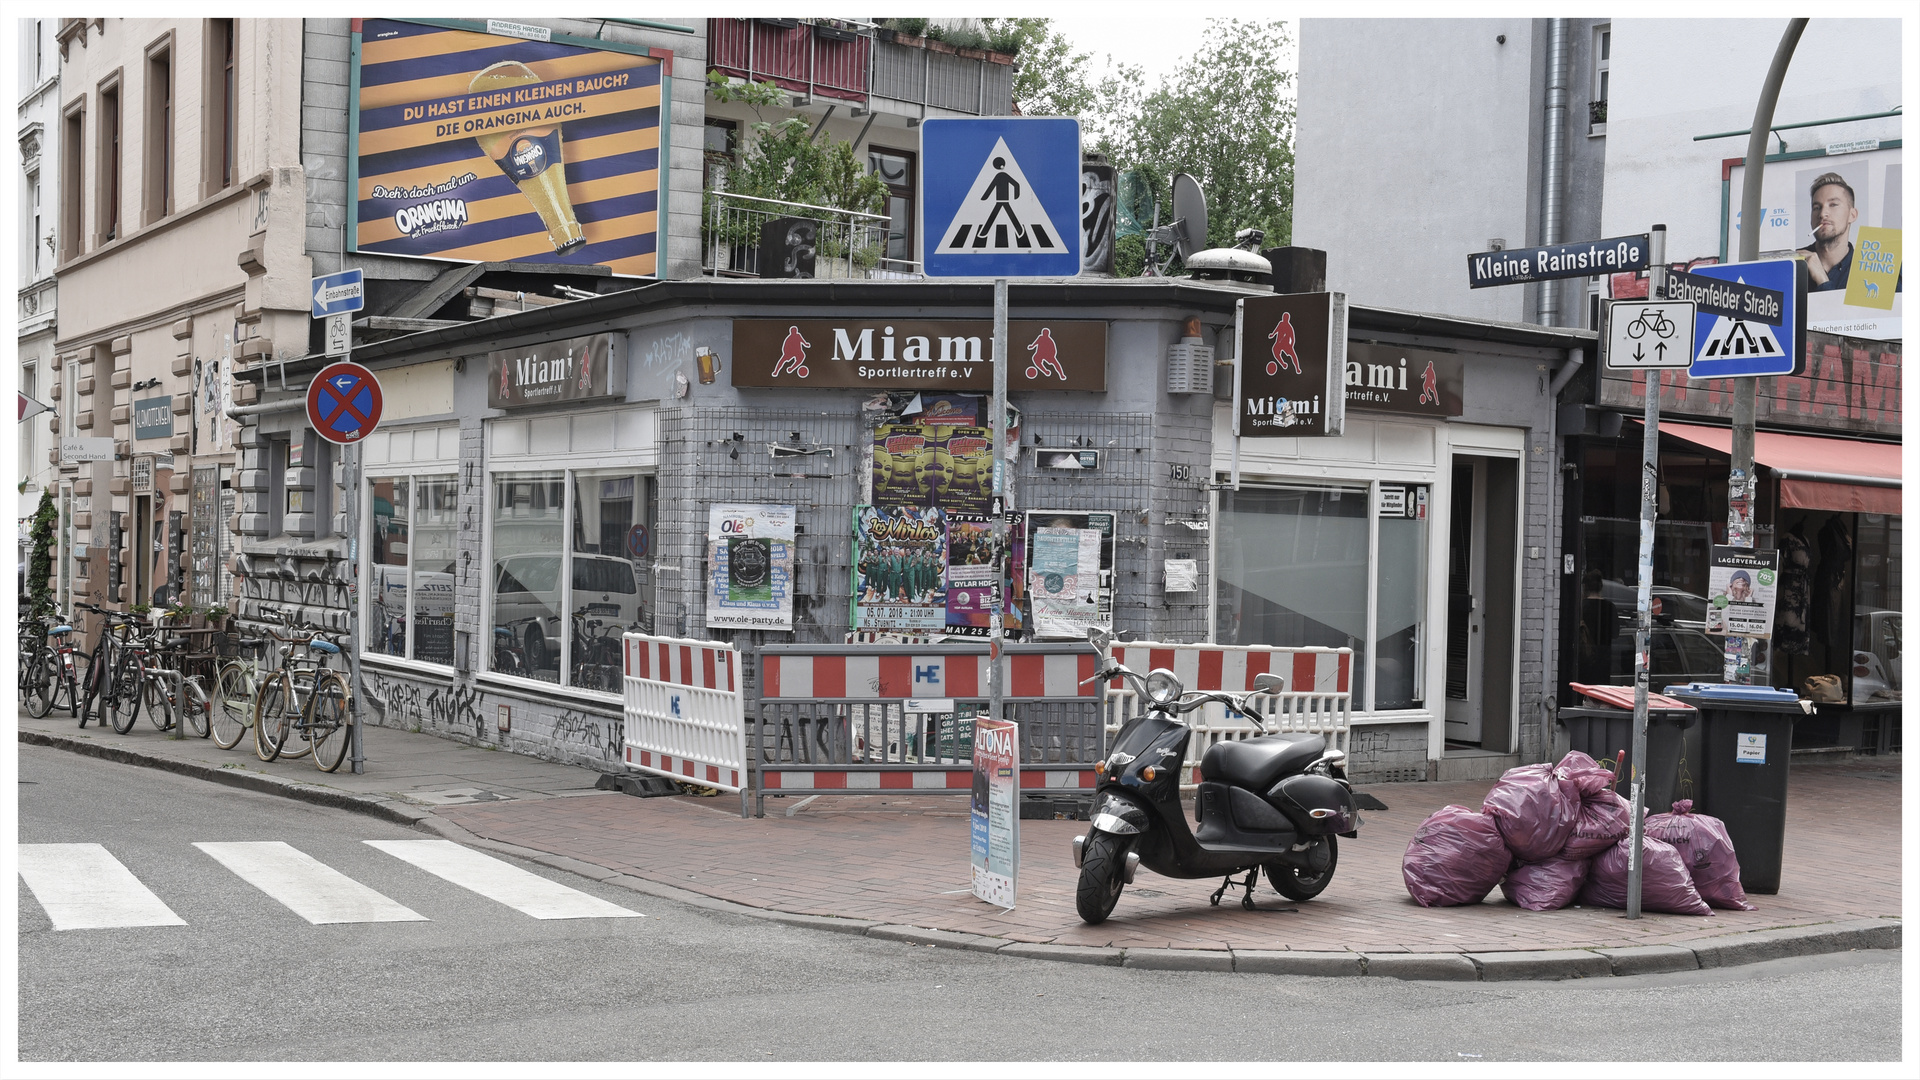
column 750, row 561
column 1741, row 589
column 481, row 147
column 1841, row 214
column 900, row 568
column 1069, row 571
column 996, row 799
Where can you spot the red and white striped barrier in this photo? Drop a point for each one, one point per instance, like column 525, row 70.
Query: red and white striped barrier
column 685, row 714
column 1050, row 675
column 821, row 778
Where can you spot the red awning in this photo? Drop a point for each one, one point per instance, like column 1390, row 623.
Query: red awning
column 1816, row 473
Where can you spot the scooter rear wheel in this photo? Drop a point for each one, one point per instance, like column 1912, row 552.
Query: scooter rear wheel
column 1299, row 883
column 1102, row 876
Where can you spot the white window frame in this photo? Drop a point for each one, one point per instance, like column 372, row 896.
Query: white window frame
column 378, row 462
column 1602, row 71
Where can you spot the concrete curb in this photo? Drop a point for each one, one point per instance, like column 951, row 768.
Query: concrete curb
column 1730, row 950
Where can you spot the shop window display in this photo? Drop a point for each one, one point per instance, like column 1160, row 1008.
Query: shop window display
column 410, row 567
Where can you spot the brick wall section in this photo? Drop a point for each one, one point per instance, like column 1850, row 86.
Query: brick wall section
column 1387, row 753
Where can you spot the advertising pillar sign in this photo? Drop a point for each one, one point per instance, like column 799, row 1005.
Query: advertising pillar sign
column 994, row 810
column 750, row 556
column 1292, row 366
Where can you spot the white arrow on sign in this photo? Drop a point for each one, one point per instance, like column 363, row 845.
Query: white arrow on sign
column 1650, row 333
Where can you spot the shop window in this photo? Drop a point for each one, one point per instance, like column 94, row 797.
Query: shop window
column 1293, row 566
column 571, row 573
column 411, row 545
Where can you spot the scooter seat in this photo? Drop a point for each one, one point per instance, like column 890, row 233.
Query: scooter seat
column 1260, row 762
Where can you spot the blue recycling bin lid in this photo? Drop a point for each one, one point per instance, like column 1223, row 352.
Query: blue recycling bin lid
column 1735, row 692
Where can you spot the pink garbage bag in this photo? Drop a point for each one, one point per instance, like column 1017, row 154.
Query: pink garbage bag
column 1545, row 886
column 1456, row 857
column 1605, row 819
column 1587, row 776
column 1707, row 852
column 1535, row 811
column 1664, row 883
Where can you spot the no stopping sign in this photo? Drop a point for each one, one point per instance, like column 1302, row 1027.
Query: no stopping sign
column 344, row 402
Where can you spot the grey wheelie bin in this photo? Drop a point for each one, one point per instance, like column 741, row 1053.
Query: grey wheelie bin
column 1748, row 745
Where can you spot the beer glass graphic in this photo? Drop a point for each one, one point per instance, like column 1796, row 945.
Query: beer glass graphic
column 531, row 159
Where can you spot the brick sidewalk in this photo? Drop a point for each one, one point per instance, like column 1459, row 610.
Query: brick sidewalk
column 903, row 859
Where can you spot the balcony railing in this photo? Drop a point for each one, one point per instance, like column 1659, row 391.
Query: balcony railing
column 818, row 60
column 845, row 243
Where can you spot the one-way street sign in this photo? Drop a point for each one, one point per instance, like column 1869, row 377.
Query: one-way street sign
column 1650, row 334
column 338, row 293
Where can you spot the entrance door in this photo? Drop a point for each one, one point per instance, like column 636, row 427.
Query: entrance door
column 140, row 547
column 1482, row 573
column 1466, row 594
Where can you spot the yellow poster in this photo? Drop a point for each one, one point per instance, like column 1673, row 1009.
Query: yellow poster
column 1876, row 269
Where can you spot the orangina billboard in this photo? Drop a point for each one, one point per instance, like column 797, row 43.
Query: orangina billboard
column 475, row 147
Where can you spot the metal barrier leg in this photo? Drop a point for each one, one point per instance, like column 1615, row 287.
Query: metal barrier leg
column 179, row 704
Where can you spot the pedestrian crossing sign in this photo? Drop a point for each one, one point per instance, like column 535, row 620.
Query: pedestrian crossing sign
column 1752, row 325
column 1000, row 197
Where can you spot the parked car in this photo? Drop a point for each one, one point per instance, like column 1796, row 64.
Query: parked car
column 526, row 599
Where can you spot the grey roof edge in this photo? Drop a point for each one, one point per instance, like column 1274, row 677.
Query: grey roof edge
column 1133, row 292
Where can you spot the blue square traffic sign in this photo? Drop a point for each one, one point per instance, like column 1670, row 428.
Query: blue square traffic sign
column 336, row 294
column 1000, row 197
column 1752, row 317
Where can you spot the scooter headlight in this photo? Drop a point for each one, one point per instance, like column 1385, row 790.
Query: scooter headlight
column 1163, row 687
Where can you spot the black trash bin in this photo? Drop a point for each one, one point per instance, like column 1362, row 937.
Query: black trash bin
column 1748, row 746
column 1673, row 749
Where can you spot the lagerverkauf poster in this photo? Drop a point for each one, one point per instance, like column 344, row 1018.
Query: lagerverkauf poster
column 750, row 560
column 994, row 810
column 479, row 147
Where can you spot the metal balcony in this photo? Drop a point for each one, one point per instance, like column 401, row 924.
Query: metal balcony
column 820, row 60
column 847, row 243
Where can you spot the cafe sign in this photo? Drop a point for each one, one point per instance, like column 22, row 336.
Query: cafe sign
column 909, row 354
column 577, row 369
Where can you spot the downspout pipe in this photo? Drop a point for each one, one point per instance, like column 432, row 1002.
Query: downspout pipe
column 1553, row 178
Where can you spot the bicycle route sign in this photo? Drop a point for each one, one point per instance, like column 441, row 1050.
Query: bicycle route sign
column 344, row 402
column 1001, row 196
column 1650, row 334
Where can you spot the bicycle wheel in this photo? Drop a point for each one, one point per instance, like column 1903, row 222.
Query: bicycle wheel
column 36, row 684
column 156, row 697
column 93, row 687
column 291, row 748
column 195, row 708
column 232, row 705
column 123, row 703
column 66, row 689
column 329, row 721
column 273, row 715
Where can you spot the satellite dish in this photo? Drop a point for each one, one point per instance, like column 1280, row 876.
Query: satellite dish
column 1189, row 215
column 1133, row 197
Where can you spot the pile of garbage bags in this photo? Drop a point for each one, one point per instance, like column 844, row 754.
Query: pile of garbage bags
column 1549, row 835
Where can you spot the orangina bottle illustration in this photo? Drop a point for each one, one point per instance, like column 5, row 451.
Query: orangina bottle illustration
column 531, row 159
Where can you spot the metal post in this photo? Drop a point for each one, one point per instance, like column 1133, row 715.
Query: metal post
column 178, row 682
column 350, row 480
column 996, row 682
column 1740, row 473
column 1643, row 599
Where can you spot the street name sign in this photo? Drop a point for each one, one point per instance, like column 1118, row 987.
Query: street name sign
column 1518, row 266
column 1649, row 334
column 1000, row 196
column 339, row 293
column 1752, row 319
column 344, row 402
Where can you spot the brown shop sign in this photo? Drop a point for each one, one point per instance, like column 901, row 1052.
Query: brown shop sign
column 916, row 354
column 577, row 369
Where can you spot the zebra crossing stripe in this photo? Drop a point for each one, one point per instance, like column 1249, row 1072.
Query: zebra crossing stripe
column 308, row 887
column 83, row 887
column 496, row 879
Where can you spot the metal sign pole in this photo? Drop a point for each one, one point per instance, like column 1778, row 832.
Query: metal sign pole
column 996, row 683
column 350, row 482
column 1643, row 600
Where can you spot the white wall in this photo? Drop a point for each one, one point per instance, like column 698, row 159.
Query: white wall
column 1675, row 79
column 1411, row 154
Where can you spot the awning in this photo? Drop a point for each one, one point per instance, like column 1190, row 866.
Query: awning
column 1815, row 473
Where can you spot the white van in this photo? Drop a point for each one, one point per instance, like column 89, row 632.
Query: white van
column 526, row 600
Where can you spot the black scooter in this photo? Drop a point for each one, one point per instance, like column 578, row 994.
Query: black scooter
column 1275, row 802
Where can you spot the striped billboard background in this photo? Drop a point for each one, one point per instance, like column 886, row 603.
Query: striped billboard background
column 418, row 156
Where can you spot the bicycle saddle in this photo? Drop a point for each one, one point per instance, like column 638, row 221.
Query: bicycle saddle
column 327, row 647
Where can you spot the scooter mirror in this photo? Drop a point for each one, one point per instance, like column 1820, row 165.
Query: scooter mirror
column 1268, row 683
column 1099, row 638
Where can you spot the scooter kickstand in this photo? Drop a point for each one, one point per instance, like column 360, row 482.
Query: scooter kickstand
column 1222, row 890
column 1246, row 899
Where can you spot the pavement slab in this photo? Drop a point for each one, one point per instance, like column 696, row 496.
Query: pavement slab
column 891, row 862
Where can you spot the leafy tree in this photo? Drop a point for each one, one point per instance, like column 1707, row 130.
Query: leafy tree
column 1055, row 80
column 1226, row 117
column 40, row 556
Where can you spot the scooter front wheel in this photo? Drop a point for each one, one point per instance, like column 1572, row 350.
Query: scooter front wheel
column 1304, row 882
column 1102, row 876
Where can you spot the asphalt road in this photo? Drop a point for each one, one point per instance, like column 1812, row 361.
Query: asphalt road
column 246, row 978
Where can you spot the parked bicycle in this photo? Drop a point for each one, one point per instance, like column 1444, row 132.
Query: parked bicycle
column 49, row 669
column 597, row 661
column 508, row 656
column 103, row 685
column 168, row 693
column 234, row 689
column 305, row 698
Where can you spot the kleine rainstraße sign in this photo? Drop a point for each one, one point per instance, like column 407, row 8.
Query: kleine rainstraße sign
column 910, row 354
column 577, row 369
column 1292, row 351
